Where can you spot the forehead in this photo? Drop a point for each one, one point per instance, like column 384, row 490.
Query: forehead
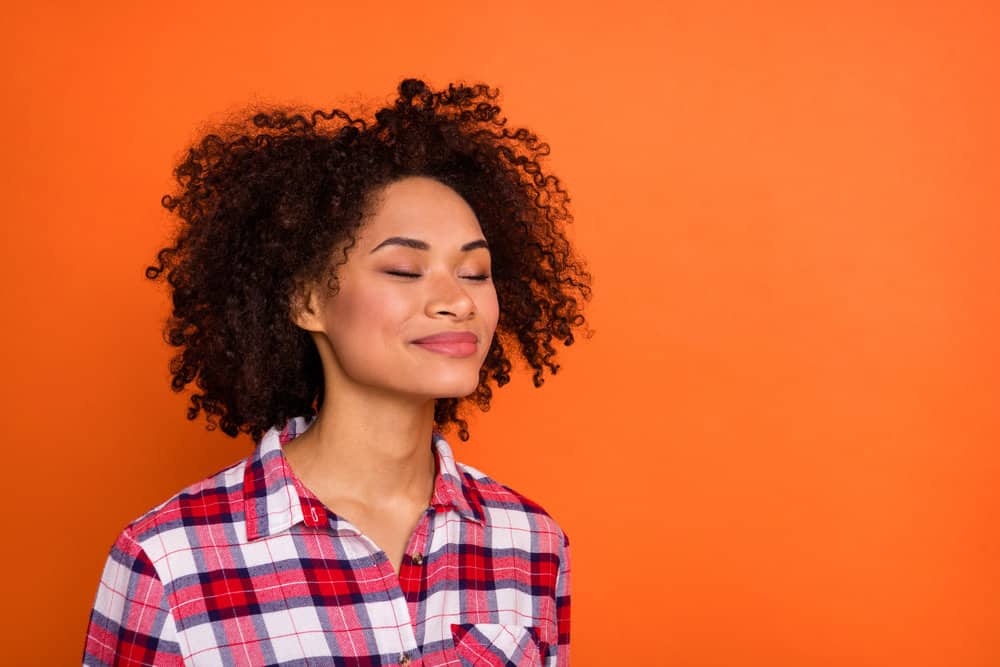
column 421, row 208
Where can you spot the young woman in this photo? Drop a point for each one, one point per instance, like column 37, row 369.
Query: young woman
column 340, row 289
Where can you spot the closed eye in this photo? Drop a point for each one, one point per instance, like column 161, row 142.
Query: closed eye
column 481, row 277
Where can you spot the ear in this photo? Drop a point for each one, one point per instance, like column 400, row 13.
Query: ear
column 305, row 308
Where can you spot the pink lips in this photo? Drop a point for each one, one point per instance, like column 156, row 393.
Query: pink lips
column 452, row 343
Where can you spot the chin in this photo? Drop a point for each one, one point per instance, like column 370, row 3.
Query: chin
column 458, row 393
column 455, row 390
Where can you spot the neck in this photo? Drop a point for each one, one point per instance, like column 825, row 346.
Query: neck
column 367, row 448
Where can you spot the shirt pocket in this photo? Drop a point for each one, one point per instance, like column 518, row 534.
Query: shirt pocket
column 498, row 645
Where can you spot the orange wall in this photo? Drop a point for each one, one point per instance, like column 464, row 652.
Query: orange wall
column 781, row 446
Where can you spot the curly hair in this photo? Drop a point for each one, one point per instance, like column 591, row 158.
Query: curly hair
column 266, row 199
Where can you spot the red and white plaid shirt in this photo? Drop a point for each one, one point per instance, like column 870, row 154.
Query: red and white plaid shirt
column 248, row 567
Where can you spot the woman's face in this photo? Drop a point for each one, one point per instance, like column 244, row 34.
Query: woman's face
column 420, row 267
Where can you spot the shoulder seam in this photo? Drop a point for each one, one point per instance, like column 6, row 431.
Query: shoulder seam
column 149, row 518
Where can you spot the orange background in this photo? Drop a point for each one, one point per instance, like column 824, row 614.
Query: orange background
column 780, row 446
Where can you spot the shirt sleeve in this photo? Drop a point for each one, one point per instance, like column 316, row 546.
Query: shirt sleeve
column 560, row 657
column 130, row 623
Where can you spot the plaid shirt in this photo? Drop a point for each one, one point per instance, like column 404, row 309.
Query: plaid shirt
column 248, row 567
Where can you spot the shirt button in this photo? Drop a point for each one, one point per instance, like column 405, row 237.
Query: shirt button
column 404, row 659
column 417, row 559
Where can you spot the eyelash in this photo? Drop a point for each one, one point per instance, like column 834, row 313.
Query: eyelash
column 481, row 278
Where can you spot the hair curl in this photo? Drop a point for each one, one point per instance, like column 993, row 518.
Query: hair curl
column 264, row 200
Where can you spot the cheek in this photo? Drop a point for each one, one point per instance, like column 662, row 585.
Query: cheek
column 358, row 314
column 490, row 307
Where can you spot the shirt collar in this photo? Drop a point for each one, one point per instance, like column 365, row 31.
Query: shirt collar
column 274, row 499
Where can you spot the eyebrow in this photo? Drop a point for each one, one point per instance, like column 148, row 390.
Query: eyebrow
column 422, row 245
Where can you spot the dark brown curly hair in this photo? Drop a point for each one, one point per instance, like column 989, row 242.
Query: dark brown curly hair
column 264, row 201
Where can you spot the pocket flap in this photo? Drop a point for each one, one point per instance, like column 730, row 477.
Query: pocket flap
column 498, row 645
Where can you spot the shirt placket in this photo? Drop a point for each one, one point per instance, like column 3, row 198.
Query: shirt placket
column 403, row 589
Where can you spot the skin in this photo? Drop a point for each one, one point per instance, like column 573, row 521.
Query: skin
column 368, row 455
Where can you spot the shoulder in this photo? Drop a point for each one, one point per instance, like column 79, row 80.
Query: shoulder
column 503, row 506
column 216, row 499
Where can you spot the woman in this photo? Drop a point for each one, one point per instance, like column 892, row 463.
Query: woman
column 340, row 290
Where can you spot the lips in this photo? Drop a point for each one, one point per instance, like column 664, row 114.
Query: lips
column 449, row 337
column 449, row 343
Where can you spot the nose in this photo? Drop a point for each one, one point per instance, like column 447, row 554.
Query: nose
column 449, row 297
